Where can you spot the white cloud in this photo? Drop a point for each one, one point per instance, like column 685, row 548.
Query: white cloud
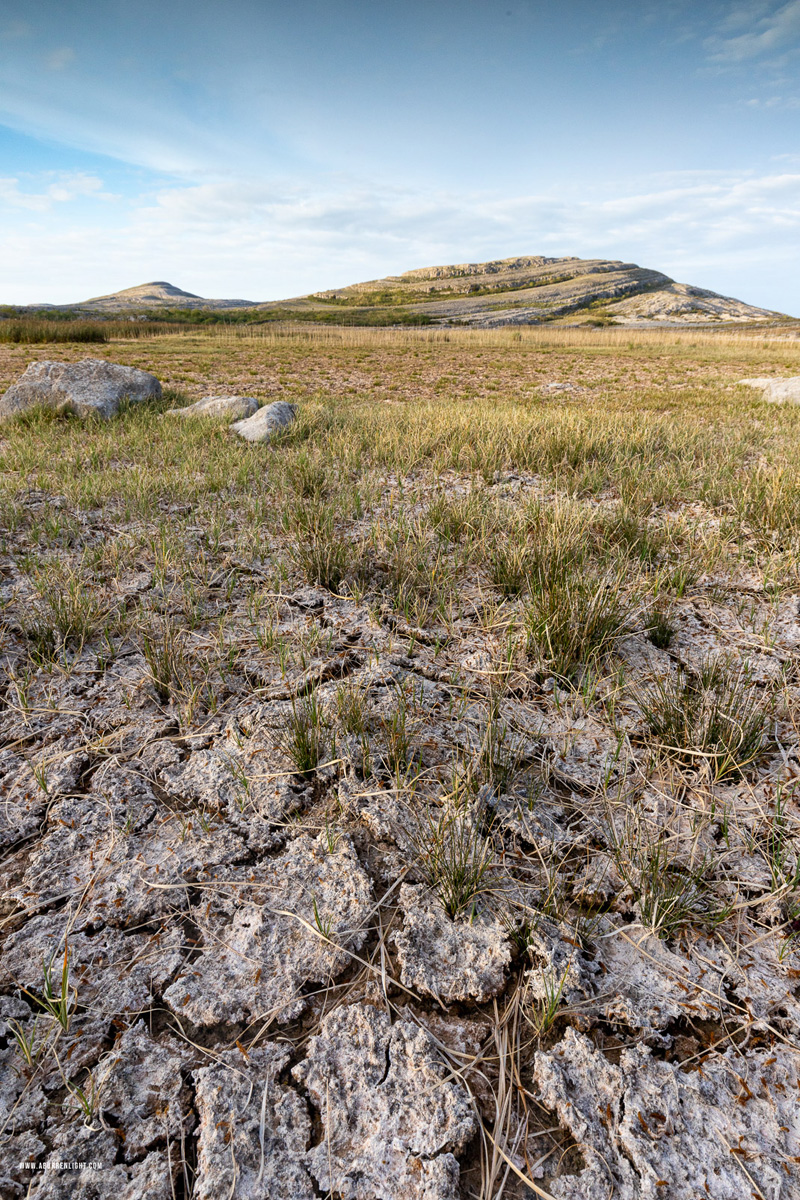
column 63, row 188
column 771, row 34
column 774, row 102
column 58, row 59
column 255, row 241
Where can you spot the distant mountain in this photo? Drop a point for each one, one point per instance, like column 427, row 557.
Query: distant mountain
column 528, row 290
column 155, row 295
column 508, row 291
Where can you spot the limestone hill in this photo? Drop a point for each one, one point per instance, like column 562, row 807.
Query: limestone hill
column 525, row 290
column 158, row 294
column 534, row 289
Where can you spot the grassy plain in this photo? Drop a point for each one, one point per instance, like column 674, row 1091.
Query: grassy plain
column 588, row 537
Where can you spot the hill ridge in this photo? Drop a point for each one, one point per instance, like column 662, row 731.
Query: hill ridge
column 518, row 290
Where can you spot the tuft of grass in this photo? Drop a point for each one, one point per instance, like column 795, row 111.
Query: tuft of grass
column 715, row 715
column 498, row 760
column 65, row 612
column 668, row 896
column 545, row 1008
column 455, row 518
column 163, row 646
column 351, row 709
column 305, row 739
column 57, row 999
column 660, row 628
column 318, row 551
column 571, row 622
column 509, row 568
column 627, row 529
column 781, row 847
column 398, row 736
column 455, row 857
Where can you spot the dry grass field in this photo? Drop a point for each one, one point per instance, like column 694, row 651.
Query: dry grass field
column 408, row 807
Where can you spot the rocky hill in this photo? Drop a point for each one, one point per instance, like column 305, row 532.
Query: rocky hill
column 526, row 290
column 158, row 294
column 509, row 291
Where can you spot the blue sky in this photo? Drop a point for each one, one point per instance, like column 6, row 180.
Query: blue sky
column 261, row 150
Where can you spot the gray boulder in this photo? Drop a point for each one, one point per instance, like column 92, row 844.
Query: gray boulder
column 235, row 408
column 266, row 421
column 777, row 391
column 91, row 387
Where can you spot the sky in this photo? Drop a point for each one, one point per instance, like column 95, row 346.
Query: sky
column 260, row 150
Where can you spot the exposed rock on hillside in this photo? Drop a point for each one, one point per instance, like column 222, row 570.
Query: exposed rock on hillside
column 533, row 289
column 686, row 304
column 526, row 289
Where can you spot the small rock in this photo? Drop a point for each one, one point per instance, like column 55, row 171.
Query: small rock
column 392, row 1117
column 91, row 387
column 235, row 408
column 267, row 420
column 776, row 391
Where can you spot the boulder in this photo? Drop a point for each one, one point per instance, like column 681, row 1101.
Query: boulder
column 234, row 408
column 777, row 391
column 266, row 421
column 91, row 387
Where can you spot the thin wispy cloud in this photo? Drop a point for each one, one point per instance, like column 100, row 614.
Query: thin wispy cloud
column 267, row 242
column 774, row 34
column 60, row 58
column 60, row 190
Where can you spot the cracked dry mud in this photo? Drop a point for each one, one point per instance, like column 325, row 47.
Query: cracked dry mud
column 235, row 961
column 187, row 882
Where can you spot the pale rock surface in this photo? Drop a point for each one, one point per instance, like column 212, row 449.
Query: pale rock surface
column 260, row 934
column 18, row 1149
column 22, row 1101
column 392, row 1119
column 113, row 972
column 761, row 971
column 119, row 858
column 451, row 960
column 233, row 408
column 91, row 387
column 139, row 1084
column 645, row 985
column 242, row 779
column 22, row 801
column 647, row 1129
column 683, row 303
column 557, row 965
column 254, row 1131
column 776, row 391
column 149, row 1179
column 267, row 420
